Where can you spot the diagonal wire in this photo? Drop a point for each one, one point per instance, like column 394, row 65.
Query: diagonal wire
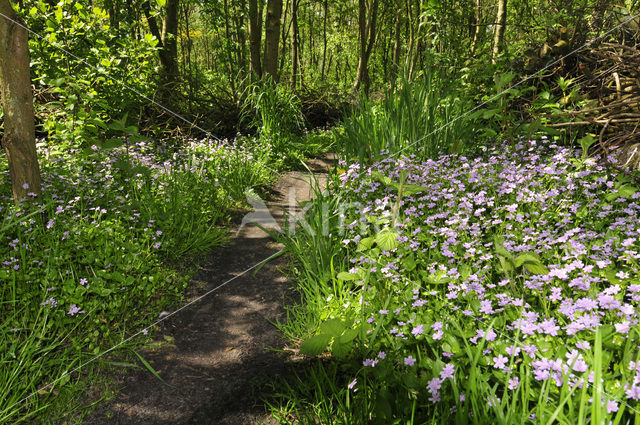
column 124, row 341
column 496, row 96
column 123, row 84
column 114, row 79
column 445, row 302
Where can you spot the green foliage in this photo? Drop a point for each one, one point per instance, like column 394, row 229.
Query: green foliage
column 415, row 294
column 275, row 111
column 86, row 73
column 422, row 117
column 93, row 260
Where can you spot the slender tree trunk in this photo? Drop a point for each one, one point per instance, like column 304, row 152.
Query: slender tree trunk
column 170, row 40
column 168, row 46
column 294, row 42
column 188, row 64
column 324, row 41
column 19, row 141
column 396, row 44
column 284, row 33
column 229, row 49
column 367, row 29
column 271, row 38
column 241, row 38
column 498, row 35
column 476, row 30
column 255, row 37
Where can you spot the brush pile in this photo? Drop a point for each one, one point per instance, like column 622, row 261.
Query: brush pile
column 610, row 78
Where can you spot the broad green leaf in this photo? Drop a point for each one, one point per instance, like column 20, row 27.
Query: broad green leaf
column 315, row 345
column 382, row 178
column 624, row 191
column 409, row 262
column 386, row 240
column 536, row 268
column 112, row 143
column 348, row 335
column 382, row 408
column 412, row 189
column 527, row 258
column 333, row 327
column 365, row 244
column 610, row 274
column 340, row 349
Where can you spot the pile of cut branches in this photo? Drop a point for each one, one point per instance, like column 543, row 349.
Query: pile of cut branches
column 610, row 79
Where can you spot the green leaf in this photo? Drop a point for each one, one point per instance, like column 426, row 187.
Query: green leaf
column 610, row 274
column 412, row 189
column 527, row 257
column 333, row 327
column 346, row 276
column 315, row 345
column 498, row 244
column 386, row 240
column 365, row 244
column 348, row 335
column 536, row 268
column 340, row 349
column 150, row 368
column 624, row 191
column 409, row 262
column 382, row 408
column 382, row 178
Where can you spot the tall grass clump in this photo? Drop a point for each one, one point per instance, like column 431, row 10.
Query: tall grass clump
column 276, row 114
column 422, row 117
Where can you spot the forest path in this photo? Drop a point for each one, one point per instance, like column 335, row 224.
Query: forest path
column 219, row 359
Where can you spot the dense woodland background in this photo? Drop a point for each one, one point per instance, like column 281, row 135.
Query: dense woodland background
column 200, row 59
column 133, row 130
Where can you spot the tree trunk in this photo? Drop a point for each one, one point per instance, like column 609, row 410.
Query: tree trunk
column 168, row 45
column 241, row 37
column 418, row 44
column 324, row 41
column 255, row 37
column 227, row 32
column 19, row 140
column 271, row 38
column 498, row 35
column 476, row 30
column 170, row 41
column 396, row 44
column 284, row 33
column 367, row 29
column 294, row 43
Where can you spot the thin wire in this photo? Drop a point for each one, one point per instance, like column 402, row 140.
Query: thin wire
column 584, row 381
column 125, row 85
column 494, row 97
column 162, row 319
column 67, row 52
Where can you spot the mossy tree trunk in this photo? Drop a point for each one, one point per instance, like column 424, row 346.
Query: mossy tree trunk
column 17, row 101
column 272, row 38
column 255, row 37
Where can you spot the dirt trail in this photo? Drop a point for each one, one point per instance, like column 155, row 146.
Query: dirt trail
column 220, row 357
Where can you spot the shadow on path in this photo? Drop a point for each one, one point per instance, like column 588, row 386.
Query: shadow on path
column 221, row 355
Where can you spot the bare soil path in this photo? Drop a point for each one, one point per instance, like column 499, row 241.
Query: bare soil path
column 220, row 356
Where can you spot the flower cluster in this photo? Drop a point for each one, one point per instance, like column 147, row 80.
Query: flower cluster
column 452, row 277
